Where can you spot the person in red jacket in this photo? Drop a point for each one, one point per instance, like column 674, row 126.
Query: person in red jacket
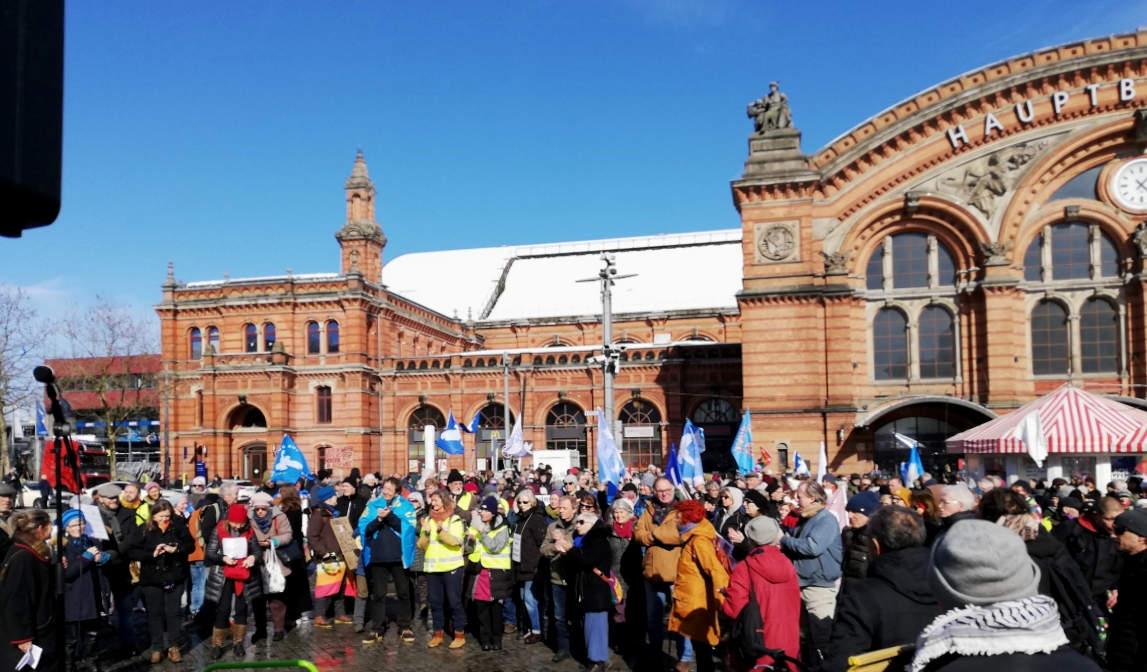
column 772, row 579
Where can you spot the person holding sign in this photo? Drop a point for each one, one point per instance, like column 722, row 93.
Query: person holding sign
column 233, row 554
column 161, row 547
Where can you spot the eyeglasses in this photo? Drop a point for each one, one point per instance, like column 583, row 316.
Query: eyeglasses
column 662, row 491
column 582, row 522
column 588, row 506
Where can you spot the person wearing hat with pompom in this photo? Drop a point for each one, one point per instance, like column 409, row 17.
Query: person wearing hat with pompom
column 494, row 581
column 82, row 560
column 233, row 579
column 699, row 585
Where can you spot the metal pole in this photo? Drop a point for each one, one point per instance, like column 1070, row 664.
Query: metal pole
column 608, row 270
column 428, row 448
column 505, row 408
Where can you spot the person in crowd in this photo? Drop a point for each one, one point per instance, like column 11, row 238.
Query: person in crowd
column 82, row 560
column 272, row 531
column 419, row 592
column 625, row 564
column 1091, row 541
column 769, row 577
column 464, row 502
column 116, row 571
column 956, row 503
column 388, row 538
column 901, row 496
column 442, row 537
column 233, row 555
column 298, row 593
column 27, row 592
column 525, row 556
column 8, row 494
column 729, row 516
column 152, row 493
column 699, row 585
column 161, row 547
column 198, row 491
column 756, row 503
column 350, row 503
column 856, row 538
column 587, row 561
column 815, row 550
column 559, row 534
column 923, row 503
column 656, row 530
column 712, row 497
column 893, row 604
column 325, row 550
column 132, row 506
column 494, row 580
column 996, row 618
column 1128, row 629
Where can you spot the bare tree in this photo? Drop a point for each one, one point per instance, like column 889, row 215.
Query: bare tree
column 18, row 341
column 105, row 338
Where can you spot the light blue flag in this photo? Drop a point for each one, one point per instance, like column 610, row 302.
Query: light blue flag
column 450, row 440
column 689, row 455
column 671, row 470
column 41, row 429
column 800, row 467
column 910, row 470
column 290, row 463
column 610, row 467
column 743, row 445
column 472, row 428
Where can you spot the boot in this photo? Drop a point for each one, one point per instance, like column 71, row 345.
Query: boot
column 239, row 634
column 174, row 655
column 459, row 640
column 436, row 640
column 218, row 639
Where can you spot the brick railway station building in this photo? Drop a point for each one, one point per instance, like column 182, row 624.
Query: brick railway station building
column 963, row 252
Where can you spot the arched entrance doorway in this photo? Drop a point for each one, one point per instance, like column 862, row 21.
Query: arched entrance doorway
column 929, row 421
column 719, row 419
column 641, row 433
column 255, row 462
column 565, row 430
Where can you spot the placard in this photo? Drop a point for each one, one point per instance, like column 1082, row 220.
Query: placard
column 347, row 543
column 414, row 465
column 341, row 457
column 235, row 547
column 481, row 464
column 94, row 527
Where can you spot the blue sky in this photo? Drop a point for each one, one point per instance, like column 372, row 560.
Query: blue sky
column 217, row 135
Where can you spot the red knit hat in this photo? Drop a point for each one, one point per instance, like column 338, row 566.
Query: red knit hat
column 237, row 514
column 690, row 511
column 471, row 487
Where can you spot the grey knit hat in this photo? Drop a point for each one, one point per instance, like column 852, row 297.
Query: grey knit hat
column 977, row 562
column 763, row 530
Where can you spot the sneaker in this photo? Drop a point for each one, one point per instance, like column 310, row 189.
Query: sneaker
column 372, row 638
column 532, row 638
column 343, row 620
column 407, row 636
column 323, row 623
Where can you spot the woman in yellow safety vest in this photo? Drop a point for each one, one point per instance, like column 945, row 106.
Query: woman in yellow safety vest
column 442, row 535
column 492, row 537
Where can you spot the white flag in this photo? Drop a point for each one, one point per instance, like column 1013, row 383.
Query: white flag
column 821, row 464
column 1030, row 432
column 17, row 424
column 516, row 446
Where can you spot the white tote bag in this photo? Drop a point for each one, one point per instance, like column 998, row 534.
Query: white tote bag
column 273, row 579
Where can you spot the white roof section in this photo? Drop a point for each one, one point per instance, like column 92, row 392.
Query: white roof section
column 297, row 277
column 684, row 271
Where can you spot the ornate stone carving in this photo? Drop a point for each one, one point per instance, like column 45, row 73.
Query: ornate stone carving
column 777, row 242
column 835, row 263
column 771, row 111
column 996, row 253
column 988, row 178
column 1140, row 239
column 357, row 229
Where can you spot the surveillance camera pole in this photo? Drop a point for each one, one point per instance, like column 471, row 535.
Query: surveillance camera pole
column 611, row 355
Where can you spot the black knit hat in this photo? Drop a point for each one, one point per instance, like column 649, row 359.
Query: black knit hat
column 757, row 498
column 455, row 475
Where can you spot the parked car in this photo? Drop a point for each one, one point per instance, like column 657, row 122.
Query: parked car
column 32, row 498
column 246, row 488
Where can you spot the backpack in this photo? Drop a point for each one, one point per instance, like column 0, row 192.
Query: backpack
column 747, row 634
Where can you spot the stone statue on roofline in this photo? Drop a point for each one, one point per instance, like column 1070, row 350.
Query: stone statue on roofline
column 771, row 111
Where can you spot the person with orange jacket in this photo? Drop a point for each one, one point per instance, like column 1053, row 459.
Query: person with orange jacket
column 699, row 586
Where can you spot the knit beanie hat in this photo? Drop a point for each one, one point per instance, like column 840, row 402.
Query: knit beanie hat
column 763, row 530
column 261, row 499
column 490, row 504
column 471, row 488
column 70, row 515
column 758, row 498
column 237, row 514
column 977, row 562
column 866, row 503
column 323, row 494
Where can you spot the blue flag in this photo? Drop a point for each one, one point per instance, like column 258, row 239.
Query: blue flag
column 450, row 440
column 610, row 468
column 743, row 445
column 41, row 429
column 290, row 463
column 671, row 470
column 472, row 428
column 914, row 467
column 800, row 467
column 689, row 454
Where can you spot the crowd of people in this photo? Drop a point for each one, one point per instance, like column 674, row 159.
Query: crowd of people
column 749, row 570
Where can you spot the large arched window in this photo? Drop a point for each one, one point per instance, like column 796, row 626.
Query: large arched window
column 332, row 337
column 268, row 336
column 906, row 261
column 419, row 418
column 565, row 429
column 1099, row 337
column 909, row 260
column 313, row 339
column 1049, row 339
column 196, row 343
column 250, row 338
column 641, row 433
column 890, row 345
column 937, row 343
column 213, row 339
column 1075, row 250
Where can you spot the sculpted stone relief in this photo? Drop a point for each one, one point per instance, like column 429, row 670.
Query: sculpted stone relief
column 983, row 182
column 777, row 242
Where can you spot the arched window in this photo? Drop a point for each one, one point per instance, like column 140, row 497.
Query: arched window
column 323, row 405
column 250, row 338
column 196, row 343
column 565, row 429
column 641, row 433
column 890, row 345
column 213, row 339
column 719, row 419
column 332, row 337
column 492, row 432
column 1049, row 339
column 1099, row 337
column 1070, row 253
column 1072, row 246
column 913, row 255
column 909, row 260
column 268, row 336
column 937, row 343
column 419, row 418
column 313, row 340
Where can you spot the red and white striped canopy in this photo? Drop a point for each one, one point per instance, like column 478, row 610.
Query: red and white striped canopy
column 1072, row 421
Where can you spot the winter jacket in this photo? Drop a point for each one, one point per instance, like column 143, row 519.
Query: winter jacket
column 115, row 571
column 1128, row 620
column 698, row 585
column 1061, row 579
column 320, row 535
column 213, row 559
column 81, row 581
column 815, row 549
column 590, row 552
column 27, row 603
column 769, row 576
column 351, row 507
column 889, row 608
column 492, row 541
column 165, row 569
column 626, row 564
column 737, row 522
column 403, row 525
column 656, row 530
column 381, row 539
column 556, row 529
column 279, row 533
column 858, row 552
column 1095, row 551
column 529, row 532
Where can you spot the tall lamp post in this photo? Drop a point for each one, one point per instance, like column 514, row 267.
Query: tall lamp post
column 610, row 354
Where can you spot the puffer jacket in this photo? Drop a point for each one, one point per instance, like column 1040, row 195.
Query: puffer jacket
column 699, row 586
column 770, row 577
column 167, row 568
column 558, row 528
column 815, row 549
column 529, row 533
column 213, row 559
column 656, row 530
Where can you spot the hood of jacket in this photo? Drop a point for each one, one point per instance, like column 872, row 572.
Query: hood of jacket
column 906, row 572
column 769, row 563
column 703, row 530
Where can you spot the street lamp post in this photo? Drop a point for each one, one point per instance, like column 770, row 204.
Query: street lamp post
column 611, row 354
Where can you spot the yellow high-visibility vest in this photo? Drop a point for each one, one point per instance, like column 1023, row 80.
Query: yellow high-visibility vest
column 492, row 560
column 439, row 556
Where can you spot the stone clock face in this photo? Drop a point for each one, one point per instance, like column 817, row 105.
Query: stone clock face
column 1129, row 186
column 777, row 243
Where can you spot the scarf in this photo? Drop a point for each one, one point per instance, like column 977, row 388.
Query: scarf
column 40, row 549
column 237, row 572
column 264, row 523
column 659, row 511
column 685, row 528
column 625, row 531
column 1028, row 625
column 441, row 516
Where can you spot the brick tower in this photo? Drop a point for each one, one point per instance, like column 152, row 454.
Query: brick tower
column 361, row 238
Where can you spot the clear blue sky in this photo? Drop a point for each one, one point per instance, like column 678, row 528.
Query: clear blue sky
column 218, row 134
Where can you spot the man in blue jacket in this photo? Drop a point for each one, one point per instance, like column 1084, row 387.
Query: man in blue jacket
column 387, row 530
column 816, row 553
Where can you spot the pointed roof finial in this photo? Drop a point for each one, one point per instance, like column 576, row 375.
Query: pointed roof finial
column 170, row 281
column 358, row 173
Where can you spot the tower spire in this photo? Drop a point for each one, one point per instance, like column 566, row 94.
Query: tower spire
column 361, row 238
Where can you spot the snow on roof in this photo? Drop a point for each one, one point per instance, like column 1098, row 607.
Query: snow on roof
column 674, row 272
column 297, row 277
